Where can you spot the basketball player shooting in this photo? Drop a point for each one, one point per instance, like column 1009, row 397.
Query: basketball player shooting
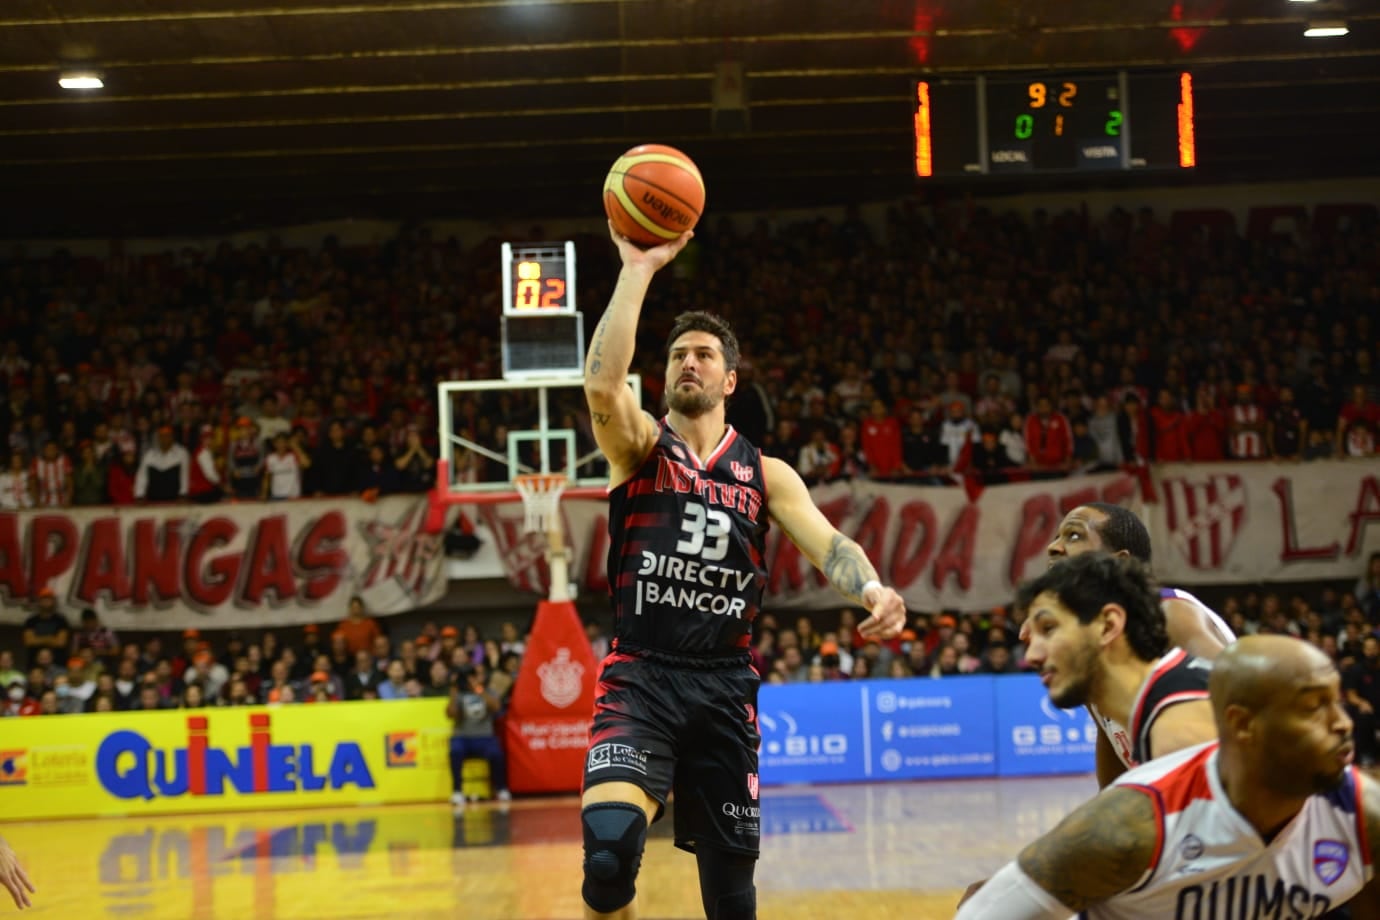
column 1270, row 821
column 676, row 704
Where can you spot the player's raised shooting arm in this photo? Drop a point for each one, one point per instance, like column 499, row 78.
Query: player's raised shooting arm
column 1366, row 905
column 622, row 430
column 1103, row 848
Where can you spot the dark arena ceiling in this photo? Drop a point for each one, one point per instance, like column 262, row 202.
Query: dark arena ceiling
column 225, row 114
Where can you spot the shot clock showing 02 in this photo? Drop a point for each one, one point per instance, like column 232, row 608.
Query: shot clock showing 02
column 538, row 278
column 533, row 291
column 1054, row 124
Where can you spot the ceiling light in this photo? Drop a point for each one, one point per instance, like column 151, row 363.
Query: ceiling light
column 1303, row 1
column 80, row 80
column 1325, row 30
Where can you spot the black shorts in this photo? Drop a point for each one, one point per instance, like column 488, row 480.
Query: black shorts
column 690, row 727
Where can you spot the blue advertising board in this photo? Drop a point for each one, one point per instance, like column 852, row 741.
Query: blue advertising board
column 1036, row 737
column 929, row 729
column 852, row 731
column 811, row 733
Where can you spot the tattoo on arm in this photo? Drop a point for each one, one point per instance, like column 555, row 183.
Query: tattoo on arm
column 847, row 567
column 1100, row 850
column 600, row 418
column 597, row 348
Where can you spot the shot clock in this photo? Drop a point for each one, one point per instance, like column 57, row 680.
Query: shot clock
column 1054, row 124
column 543, row 333
column 538, row 278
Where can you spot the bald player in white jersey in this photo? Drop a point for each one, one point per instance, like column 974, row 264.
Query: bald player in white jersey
column 1192, row 625
column 1271, row 821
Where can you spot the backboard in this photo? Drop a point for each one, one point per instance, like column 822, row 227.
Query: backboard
column 493, row 430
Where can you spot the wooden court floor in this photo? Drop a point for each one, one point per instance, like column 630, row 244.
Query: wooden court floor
column 896, row 850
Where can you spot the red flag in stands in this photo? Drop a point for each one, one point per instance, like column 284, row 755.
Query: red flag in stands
column 547, row 724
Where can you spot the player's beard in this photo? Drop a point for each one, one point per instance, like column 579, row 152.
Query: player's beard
column 694, row 402
column 1079, row 672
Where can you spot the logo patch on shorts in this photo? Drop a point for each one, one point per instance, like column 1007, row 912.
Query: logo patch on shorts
column 612, row 754
column 752, row 786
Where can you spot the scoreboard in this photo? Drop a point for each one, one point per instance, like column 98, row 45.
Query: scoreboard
column 1053, row 124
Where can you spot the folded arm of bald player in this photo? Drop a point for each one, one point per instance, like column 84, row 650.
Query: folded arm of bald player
column 1105, row 847
column 841, row 560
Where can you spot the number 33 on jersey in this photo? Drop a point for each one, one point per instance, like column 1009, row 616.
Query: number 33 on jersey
column 687, row 541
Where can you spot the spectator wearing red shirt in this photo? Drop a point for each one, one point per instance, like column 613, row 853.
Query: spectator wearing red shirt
column 1168, row 430
column 359, row 629
column 881, row 442
column 1205, row 429
column 1048, row 437
column 119, row 483
column 1360, row 412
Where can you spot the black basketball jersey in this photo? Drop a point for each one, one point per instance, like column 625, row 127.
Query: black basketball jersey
column 1178, row 677
column 686, row 547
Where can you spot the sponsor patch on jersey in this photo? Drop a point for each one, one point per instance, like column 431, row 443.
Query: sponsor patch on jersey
column 741, row 470
column 1330, row 858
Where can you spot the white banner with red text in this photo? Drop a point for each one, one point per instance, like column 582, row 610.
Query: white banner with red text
column 1216, row 523
column 222, row 566
column 968, row 548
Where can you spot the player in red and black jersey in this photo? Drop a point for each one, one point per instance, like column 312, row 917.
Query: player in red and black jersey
column 676, row 703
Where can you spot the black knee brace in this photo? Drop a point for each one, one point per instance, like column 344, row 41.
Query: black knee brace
column 615, row 834
column 726, row 884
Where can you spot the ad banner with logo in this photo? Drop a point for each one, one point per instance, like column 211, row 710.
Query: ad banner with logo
column 853, row 731
column 546, row 729
column 222, row 566
column 225, row 759
column 1036, row 737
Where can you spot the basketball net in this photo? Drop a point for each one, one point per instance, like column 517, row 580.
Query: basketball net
column 541, row 505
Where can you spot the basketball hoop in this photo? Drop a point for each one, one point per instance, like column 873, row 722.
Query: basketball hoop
column 541, row 497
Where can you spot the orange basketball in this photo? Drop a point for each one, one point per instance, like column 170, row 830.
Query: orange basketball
column 653, row 194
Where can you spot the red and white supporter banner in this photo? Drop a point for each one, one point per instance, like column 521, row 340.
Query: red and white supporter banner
column 1210, row 524
column 1217, row 523
column 222, row 566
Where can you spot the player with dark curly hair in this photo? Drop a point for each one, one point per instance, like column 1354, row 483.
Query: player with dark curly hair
column 1098, row 639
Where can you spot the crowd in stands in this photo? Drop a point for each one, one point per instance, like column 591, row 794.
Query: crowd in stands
column 952, row 340
column 88, row 668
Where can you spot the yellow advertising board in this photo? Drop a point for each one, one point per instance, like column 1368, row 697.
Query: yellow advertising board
column 224, row 759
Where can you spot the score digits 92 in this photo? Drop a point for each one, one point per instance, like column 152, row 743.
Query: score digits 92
column 1057, row 96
